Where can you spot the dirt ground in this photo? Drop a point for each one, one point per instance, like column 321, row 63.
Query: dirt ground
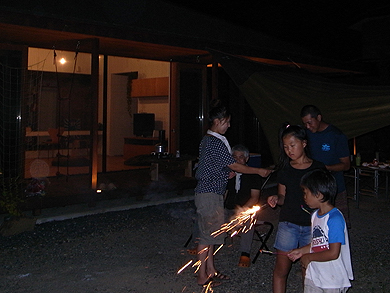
column 141, row 250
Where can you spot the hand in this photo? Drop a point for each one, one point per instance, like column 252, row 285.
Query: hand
column 273, row 200
column 294, row 254
column 232, row 174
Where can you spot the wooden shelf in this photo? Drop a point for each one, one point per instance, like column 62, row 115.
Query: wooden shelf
column 135, row 146
column 150, row 87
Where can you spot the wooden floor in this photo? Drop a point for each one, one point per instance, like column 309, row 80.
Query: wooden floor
column 43, row 167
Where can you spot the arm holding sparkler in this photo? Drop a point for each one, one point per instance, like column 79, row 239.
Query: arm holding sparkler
column 249, row 170
column 295, row 254
column 326, row 255
column 277, row 199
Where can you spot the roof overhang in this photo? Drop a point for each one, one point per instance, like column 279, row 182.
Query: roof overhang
column 45, row 31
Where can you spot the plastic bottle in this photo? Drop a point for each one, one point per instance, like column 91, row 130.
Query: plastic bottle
column 358, row 159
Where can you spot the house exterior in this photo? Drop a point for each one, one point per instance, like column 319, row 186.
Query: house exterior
column 153, row 30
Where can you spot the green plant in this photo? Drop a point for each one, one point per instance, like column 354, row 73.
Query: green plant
column 11, row 196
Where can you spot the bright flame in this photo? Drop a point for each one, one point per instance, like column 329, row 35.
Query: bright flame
column 62, row 61
column 238, row 221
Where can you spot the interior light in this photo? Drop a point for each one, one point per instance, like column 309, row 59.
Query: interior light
column 62, row 61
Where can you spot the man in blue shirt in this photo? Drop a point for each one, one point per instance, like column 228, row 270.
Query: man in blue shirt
column 329, row 145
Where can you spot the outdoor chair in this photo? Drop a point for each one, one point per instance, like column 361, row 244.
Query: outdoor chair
column 259, row 235
column 262, row 236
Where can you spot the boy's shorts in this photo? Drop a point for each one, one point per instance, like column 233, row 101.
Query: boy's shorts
column 211, row 215
column 291, row 236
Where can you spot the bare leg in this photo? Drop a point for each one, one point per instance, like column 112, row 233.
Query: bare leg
column 282, row 269
column 206, row 257
column 303, row 276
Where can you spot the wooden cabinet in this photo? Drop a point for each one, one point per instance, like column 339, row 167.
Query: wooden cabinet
column 150, row 87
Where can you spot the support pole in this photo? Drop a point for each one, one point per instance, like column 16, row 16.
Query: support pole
column 104, row 137
column 94, row 112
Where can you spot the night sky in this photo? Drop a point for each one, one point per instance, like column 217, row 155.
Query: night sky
column 319, row 25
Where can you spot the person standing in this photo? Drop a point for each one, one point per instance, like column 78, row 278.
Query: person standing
column 327, row 260
column 214, row 167
column 243, row 192
column 329, row 145
column 294, row 218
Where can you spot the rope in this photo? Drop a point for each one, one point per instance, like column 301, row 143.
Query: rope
column 60, row 99
column 69, row 107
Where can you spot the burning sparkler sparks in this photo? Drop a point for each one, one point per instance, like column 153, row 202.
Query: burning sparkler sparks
column 183, row 267
column 215, row 252
column 197, row 265
column 305, row 210
column 242, row 222
column 207, row 288
column 237, row 224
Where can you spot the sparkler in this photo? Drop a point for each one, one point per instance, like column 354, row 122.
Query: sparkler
column 272, row 252
column 305, row 210
column 239, row 221
column 237, row 225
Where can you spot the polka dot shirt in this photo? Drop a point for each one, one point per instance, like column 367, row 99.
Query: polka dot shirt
column 213, row 172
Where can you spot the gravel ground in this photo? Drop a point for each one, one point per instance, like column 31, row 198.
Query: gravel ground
column 141, row 250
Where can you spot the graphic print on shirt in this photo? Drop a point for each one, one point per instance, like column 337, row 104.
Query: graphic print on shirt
column 325, row 147
column 320, row 241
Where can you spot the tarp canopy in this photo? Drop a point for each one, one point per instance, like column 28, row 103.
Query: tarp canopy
column 277, row 95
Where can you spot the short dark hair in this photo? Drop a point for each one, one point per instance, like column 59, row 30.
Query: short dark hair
column 320, row 181
column 219, row 112
column 310, row 109
column 299, row 133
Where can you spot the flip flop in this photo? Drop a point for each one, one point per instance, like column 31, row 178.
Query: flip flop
column 244, row 262
column 221, row 276
column 210, row 283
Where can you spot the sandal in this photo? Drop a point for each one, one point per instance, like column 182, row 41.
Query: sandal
column 221, row 276
column 192, row 251
column 210, row 283
column 244, row 262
